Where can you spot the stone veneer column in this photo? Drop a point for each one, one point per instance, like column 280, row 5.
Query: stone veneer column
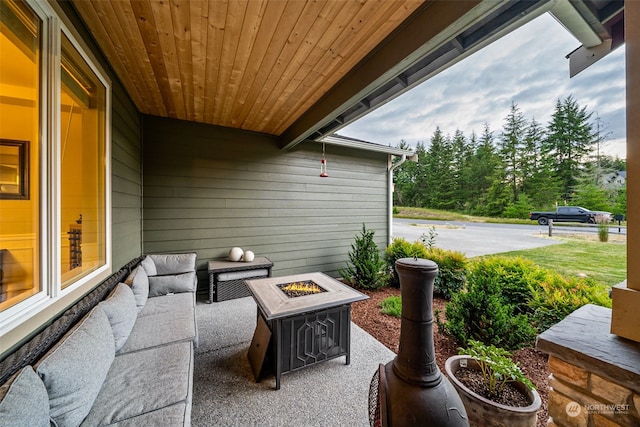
column 595, row 375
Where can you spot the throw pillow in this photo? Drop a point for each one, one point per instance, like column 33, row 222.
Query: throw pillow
column 122, row 312
column 140, row 287
column 174, row 263
column 149, row 266
column 174, row 284
column 24, row 401
column 73, row 371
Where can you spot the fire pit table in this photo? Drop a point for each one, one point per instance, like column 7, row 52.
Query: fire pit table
column 302, row 320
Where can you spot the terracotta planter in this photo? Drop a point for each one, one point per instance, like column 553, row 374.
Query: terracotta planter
column 486, row 413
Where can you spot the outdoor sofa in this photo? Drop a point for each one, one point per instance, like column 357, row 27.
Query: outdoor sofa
column 122, row 355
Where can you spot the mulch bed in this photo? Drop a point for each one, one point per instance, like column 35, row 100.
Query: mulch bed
column 386, row 329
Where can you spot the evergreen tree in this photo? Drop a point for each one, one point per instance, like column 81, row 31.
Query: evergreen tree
column 439, row 183
column 482, row 167
column 462, row 154
column 510, row 146
column 569, row 142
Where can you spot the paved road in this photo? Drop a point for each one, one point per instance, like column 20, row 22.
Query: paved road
column 474, row 239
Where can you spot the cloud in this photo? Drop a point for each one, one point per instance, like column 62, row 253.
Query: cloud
column 527, row 67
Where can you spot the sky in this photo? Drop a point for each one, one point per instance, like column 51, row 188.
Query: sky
column 527, row 67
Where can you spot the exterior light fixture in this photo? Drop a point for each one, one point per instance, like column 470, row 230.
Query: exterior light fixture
column 323, row 165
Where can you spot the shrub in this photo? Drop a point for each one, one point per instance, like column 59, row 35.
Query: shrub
column 509, row 300
column 401, row 248
column 481, row 314
column 515, row 277
column 392, row 306
column 366, row 268
column 556, row 297
column 452, row 265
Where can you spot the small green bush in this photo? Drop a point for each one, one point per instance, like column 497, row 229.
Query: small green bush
column 515, row 277
column 392, row 306
column 366, row 268
column 509, row 300
column 452, row 271
column 452, row 265
column 401, row 248
column 556, row 297
column 481, row 314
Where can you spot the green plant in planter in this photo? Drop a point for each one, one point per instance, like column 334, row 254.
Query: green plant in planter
column 496, row 366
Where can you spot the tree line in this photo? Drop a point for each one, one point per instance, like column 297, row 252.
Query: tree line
column 525, row 166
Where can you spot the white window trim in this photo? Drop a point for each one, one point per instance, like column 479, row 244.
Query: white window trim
column 21, row 319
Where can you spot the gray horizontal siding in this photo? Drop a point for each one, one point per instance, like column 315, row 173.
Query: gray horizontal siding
column 207, row 189
column 126, row 179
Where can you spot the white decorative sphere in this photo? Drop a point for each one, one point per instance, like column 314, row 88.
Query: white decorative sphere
column 248, row 256
column 235, row 254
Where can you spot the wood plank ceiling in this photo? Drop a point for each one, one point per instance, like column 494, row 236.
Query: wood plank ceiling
column 256, row 65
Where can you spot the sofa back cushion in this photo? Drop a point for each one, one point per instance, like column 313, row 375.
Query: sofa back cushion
column 174, row 263
column 122, row 312
column 174, row 284
column 73, row 371
column 149, row 266
column 139, row 282
column 24, row 401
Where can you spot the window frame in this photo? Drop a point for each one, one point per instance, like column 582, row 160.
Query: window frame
column 51, row 299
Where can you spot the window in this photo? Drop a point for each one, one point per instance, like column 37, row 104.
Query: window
column 20, row 112
column 82, row 214
column 54, row 186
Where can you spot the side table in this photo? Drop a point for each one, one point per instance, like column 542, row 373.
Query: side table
column 226, row 278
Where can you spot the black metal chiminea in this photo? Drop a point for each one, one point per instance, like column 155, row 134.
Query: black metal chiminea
column 411, row 390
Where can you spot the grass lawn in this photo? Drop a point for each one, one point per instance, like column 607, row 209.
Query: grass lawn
column 604, row 262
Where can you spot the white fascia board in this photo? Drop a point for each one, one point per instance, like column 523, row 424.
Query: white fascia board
column 367, row 146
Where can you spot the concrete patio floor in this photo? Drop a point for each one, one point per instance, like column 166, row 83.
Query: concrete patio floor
column 226, row 394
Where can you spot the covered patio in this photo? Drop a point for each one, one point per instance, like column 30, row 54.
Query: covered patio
column 216, row 117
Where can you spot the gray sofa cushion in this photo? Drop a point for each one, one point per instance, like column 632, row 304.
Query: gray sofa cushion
column 170, row 304
column 139, row 282
column 173, row 284
column 176, row 325
column 24, row 401
column 143, row 382
column 178, row 414
column 74, row 370
column 149, row 266
column 122, row 311
column 174, row 263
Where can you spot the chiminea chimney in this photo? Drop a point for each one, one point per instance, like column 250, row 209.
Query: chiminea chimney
column 411, row 390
